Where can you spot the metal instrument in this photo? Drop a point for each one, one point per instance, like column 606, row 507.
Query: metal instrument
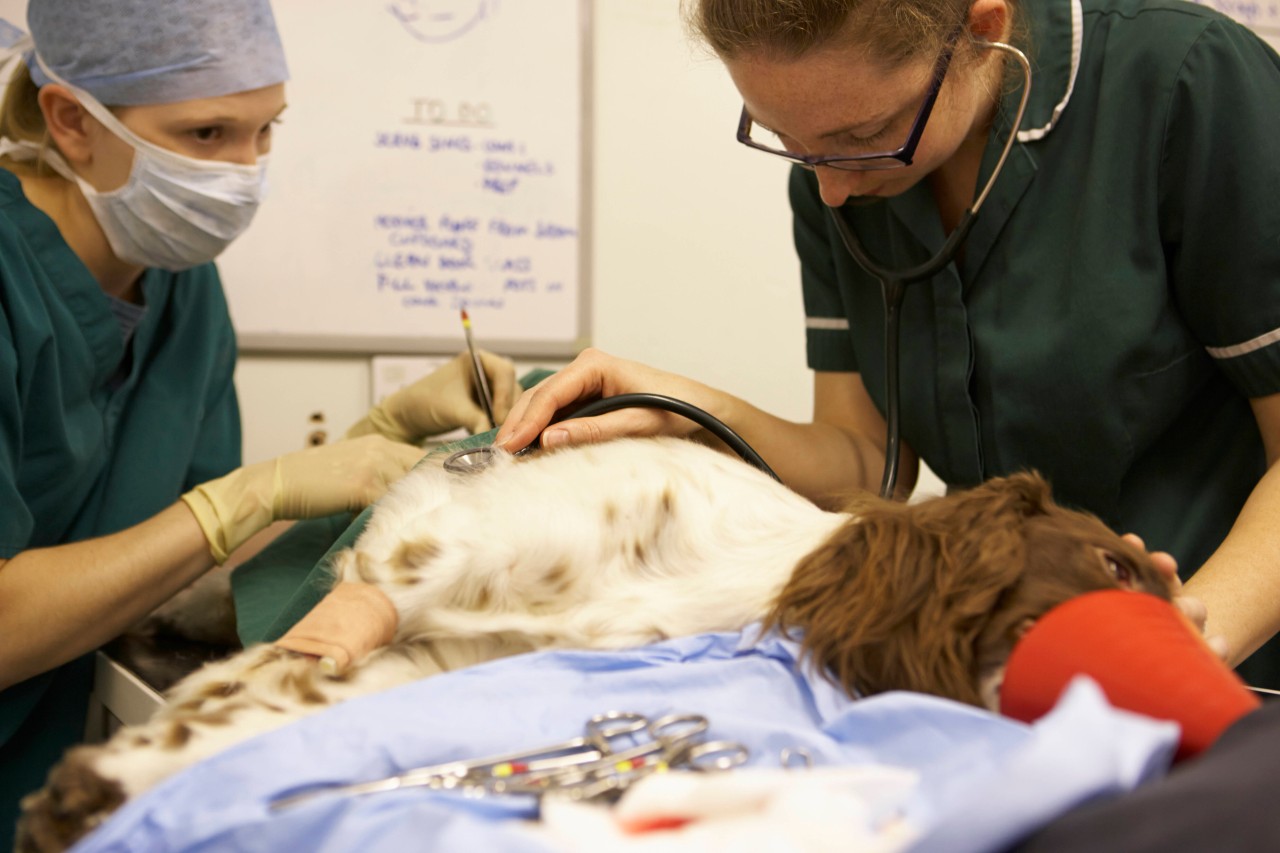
column 472, row 460
column 587, row 767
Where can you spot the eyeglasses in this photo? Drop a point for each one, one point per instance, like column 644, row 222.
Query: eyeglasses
column 862, row 162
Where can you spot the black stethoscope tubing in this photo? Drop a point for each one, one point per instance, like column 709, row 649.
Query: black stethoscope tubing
column 893, row 287
column 701, row 417
column 472, row 460
column 893, row 283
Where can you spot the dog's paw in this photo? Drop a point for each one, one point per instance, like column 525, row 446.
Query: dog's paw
column 75, row 800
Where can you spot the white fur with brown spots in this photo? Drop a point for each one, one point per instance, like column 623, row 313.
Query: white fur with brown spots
column 629, row 542
column 603, row 547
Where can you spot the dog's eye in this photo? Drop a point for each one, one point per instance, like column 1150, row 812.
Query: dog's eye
column 1118, row 570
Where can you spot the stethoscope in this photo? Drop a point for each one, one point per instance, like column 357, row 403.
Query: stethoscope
column 893, row 283
column 472, row 460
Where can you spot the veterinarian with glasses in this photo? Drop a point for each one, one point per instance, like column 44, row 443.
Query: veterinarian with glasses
column 135, row 140
column 1111, row 318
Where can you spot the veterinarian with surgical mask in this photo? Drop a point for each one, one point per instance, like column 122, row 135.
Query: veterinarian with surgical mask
column 1113, row 317
column 135, row 142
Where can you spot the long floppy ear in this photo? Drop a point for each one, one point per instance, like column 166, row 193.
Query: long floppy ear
column 897, row 598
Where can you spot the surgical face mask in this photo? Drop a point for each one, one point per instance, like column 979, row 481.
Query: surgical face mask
column 174, row 212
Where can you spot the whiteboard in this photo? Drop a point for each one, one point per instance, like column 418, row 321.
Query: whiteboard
column 432, row 158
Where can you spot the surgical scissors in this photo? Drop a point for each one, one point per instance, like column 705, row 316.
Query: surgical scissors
column 601, row 729
column 608, row 785
column 582, row 763
column 675, row 742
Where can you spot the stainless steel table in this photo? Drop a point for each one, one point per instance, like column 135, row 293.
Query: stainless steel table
column 132, row 673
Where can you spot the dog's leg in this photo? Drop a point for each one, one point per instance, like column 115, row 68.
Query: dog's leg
column 259, row 690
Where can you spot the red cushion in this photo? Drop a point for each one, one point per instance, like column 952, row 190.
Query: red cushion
column 1145, row 655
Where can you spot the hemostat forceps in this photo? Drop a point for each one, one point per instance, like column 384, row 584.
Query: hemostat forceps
column 585, row 767
column 591, row 746
column 675, row 744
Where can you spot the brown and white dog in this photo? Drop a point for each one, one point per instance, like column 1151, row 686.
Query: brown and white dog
column 630, row 542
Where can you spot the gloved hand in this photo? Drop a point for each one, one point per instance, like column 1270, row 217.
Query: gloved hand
column 310, row 483
column 443, row 400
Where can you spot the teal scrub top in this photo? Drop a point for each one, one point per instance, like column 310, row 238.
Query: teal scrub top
column 1118, row 300
column 95, row 437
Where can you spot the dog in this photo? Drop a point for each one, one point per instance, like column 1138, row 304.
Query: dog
column 630, row 542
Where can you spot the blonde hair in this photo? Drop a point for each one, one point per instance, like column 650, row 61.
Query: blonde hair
column 894, row 31
column 21, row 118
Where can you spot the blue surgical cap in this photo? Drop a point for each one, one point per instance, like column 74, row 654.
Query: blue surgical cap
column 133, row 52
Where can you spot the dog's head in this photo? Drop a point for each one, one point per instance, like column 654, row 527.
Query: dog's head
column 932, row 597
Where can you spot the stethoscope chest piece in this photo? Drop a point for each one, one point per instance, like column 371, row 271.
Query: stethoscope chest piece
column 476, row 459
column 472, row 460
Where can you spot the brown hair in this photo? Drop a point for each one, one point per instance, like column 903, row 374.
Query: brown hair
column 931, row 597
column 897, row 30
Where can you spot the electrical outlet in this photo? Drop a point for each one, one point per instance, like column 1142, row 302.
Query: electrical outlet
column 317, row 434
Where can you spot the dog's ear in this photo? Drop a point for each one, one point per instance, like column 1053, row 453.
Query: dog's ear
column 898, row 598
column 1017, row 496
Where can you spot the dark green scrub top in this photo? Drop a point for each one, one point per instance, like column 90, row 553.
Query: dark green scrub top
column 1118, row 300
column 93, row 437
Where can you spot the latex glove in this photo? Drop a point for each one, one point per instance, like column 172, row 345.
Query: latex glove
column 310, row 483
column 443, row 400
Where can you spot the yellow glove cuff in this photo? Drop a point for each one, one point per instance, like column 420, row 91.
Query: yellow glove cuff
column 232, row 508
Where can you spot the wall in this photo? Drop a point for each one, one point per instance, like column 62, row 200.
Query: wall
column 692, row 270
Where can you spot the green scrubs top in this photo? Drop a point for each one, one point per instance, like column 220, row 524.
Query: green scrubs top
column 94, row 436
column 1118, row 300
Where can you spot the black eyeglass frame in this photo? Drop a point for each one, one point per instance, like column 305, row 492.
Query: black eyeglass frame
column 901, row 157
